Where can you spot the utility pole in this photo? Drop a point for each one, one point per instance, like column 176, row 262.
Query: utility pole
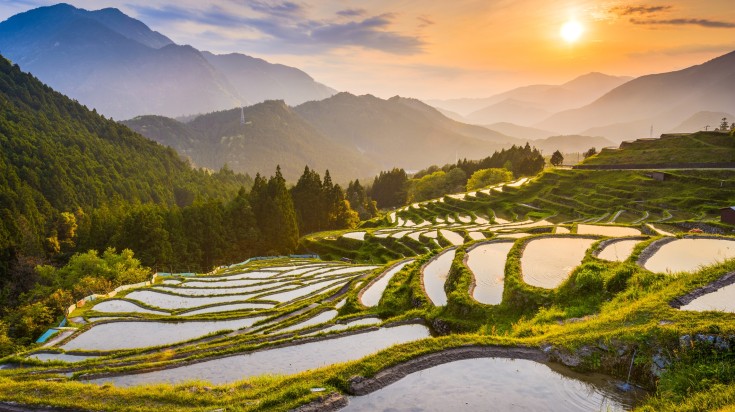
column 706, row 128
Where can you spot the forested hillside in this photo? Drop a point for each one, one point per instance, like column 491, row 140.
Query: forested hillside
column 72, row 181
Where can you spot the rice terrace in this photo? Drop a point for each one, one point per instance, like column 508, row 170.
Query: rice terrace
column 462, row 206
column 539, row 280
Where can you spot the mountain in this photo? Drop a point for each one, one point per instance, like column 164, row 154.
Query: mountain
column 540, row 98
column 658, row 100
column 520, row 132
column 700, row 121
column 399, row 132
column 57, row 156
column 509, row 110
column 272, row 134
column 122, row 68
column 352, row 136
column 257, row 80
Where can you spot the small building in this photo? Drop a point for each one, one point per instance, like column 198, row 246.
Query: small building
column 660, row 176
column 727, row 215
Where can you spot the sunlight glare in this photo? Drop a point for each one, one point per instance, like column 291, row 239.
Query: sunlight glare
column 571, row 31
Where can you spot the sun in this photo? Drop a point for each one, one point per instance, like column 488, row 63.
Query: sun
column 571, row 31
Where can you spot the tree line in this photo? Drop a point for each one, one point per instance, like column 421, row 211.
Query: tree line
column 394, row 188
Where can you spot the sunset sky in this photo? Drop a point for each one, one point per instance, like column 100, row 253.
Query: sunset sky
column 439, row 48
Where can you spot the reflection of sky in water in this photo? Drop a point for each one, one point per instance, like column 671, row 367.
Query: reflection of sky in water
column 492, row 384
column 547, row 262
column 688, row 255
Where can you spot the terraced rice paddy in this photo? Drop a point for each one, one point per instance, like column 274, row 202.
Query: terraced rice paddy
column 371, row 296
column 547, row 262
column 721, row 300
column 140, row 334
column 687, row 255
column 435, row 275
column 495, row 384
column 618, row 251
column 487, row 263
column 290, row 315
column 285, row 360
column 616, row 231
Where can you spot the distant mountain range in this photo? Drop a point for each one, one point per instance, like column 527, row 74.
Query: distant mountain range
column 352, row 136
column 117, row 65
column 530, row 104
column 658, row 101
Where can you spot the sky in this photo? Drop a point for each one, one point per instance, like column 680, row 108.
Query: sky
column 439, row 49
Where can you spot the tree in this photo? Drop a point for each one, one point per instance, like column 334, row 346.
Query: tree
column 486, row 177
column 389, row 189
column 591, row 152
column 557, row 158
column 365, row 207
column 274, row 212
column 724, row 126
column 308, row 202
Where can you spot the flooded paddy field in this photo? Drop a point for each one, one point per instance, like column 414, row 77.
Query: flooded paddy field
column 435, row 275
column 279, row 361
column 690, row 254
column 487, row 263
column 496, row 384
column 547, row 262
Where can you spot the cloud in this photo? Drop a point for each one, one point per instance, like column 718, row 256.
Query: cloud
column 425, row 21
column 286, row 28
column 285, row 9
column 638, row 10
column 685, row 22
column 352, row 12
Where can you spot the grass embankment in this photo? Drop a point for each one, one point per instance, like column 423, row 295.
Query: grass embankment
column 701, row 147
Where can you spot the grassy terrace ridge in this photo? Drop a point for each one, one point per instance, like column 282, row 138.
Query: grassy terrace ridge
column 699, row 147
column 597, row 319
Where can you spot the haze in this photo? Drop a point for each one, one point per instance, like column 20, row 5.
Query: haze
column 438, row 49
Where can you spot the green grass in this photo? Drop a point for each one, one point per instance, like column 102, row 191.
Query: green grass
column 701, row 147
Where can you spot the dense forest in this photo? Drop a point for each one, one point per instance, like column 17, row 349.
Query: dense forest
column 77, row 187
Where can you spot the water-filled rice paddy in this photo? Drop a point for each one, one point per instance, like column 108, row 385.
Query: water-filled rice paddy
column 496, row 384
column 547, row 262
column 371, row 296
column 487, row 263
column 688, row 255
column 435, row 275
column 141, row 334
column 284, row 360
column 618, row 251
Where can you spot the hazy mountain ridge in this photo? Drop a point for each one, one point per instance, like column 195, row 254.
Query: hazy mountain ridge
column 119, row 66
column 399, row 132
column 539, row 100
column 660, row 100
column 272, row 134
column 352, row 136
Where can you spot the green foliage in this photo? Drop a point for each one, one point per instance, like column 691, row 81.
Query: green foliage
column 365, row 207
column 436, row 185
column 274, row 212
column 389, row 188
column 323, row 205
column 487, row 177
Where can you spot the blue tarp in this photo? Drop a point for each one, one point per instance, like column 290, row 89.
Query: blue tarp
column 49, row 333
